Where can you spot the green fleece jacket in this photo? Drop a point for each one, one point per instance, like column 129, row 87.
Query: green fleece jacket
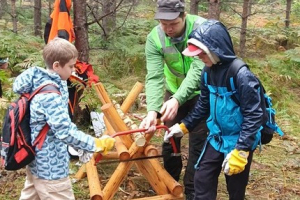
column 155, row 79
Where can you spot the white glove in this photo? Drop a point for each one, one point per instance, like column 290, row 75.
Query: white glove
column 84, row 156
column 175, row 131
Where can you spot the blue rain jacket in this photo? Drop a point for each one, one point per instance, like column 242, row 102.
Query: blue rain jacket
column 230, row 126
column 52, row 160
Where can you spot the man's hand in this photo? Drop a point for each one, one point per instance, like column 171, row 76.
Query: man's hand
column 149, row 122
column 169, row 109
column 84, row 156
column 235, row 162
column 177, row 130
column 104, row 144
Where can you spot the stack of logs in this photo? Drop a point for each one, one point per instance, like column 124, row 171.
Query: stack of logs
column 128, row 147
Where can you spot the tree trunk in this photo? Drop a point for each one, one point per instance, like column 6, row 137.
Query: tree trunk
column 288, row 13
column 14, row 16
column 109, row 21
column 214, row 9
column 194, row 7
column 3, row 5
column 81, row 30
column 246, row 12
column 37, row 18
column 81, row 116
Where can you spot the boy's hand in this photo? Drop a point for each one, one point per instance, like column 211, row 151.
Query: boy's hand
column 104, row 144
column 84, row 156
column 235, row 162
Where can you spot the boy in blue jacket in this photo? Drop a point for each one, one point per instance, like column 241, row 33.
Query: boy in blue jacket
column 234, row 130
column 48, row 175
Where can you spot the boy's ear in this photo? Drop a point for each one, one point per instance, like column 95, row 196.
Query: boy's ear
column 55, row 66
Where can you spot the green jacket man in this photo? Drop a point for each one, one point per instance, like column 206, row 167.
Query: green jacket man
column 172, row 83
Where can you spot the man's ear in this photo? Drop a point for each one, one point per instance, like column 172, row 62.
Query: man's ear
column 184, row 15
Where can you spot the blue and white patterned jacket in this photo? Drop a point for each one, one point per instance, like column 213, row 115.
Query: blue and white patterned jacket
column 52, row 161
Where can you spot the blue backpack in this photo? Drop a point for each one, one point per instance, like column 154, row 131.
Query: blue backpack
column 269, row 124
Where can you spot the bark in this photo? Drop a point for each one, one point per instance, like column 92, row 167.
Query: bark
column 37, row 18
column 81, row 30
column 288, row 13
column 3, row 5
column 108, row 22
column 214, row 9
column 81, row 116
column 14, row 16
column 194, row 7
column 246, row 12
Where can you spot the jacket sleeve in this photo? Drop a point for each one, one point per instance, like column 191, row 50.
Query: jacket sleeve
column 250, row 107
column 191, row 82
column 56, row 114
column 201, row 110
column 155, row 76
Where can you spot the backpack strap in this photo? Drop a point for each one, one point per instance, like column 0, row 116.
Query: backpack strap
column 40, row 139
column 47, row 88
column 232, row 71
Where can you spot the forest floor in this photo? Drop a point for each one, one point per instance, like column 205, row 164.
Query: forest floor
column 275, row 175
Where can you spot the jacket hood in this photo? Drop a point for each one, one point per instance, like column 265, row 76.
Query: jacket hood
column 214, row 35
column 34, row 77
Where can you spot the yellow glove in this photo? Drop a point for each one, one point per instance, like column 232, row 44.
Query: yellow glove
column 104, row 144
column 235, row 162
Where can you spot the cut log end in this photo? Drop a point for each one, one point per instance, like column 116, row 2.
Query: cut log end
column 140, row 142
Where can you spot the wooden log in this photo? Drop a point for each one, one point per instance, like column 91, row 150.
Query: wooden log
column 174, row 187
column 123, row 144
column 93, row 180
column 122, row 170
column 109, row 155
column 81, row 173
column 116, row 179
column 150, row 150
column 104, row 98
column 150, row 173
column 143, row 166
column 102, row 94
column 132, row 96
column 137, row 137
column 162, row 197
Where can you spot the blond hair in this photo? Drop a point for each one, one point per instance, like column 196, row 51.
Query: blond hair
column 59, row 50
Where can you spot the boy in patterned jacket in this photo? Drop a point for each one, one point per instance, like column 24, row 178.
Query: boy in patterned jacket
column 48, row 175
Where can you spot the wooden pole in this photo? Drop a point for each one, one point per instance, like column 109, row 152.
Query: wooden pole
column 93, row 180
column 150, row 150
column 162, row 197
column 174, row 187
column 132, row 96
column 138, row 138
column 81, row 173
column 102, row 94
column 121, row 143
column 143, row 166
column 120, row 146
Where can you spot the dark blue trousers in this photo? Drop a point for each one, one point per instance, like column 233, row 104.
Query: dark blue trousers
column 206, row 177
column 197, row 138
